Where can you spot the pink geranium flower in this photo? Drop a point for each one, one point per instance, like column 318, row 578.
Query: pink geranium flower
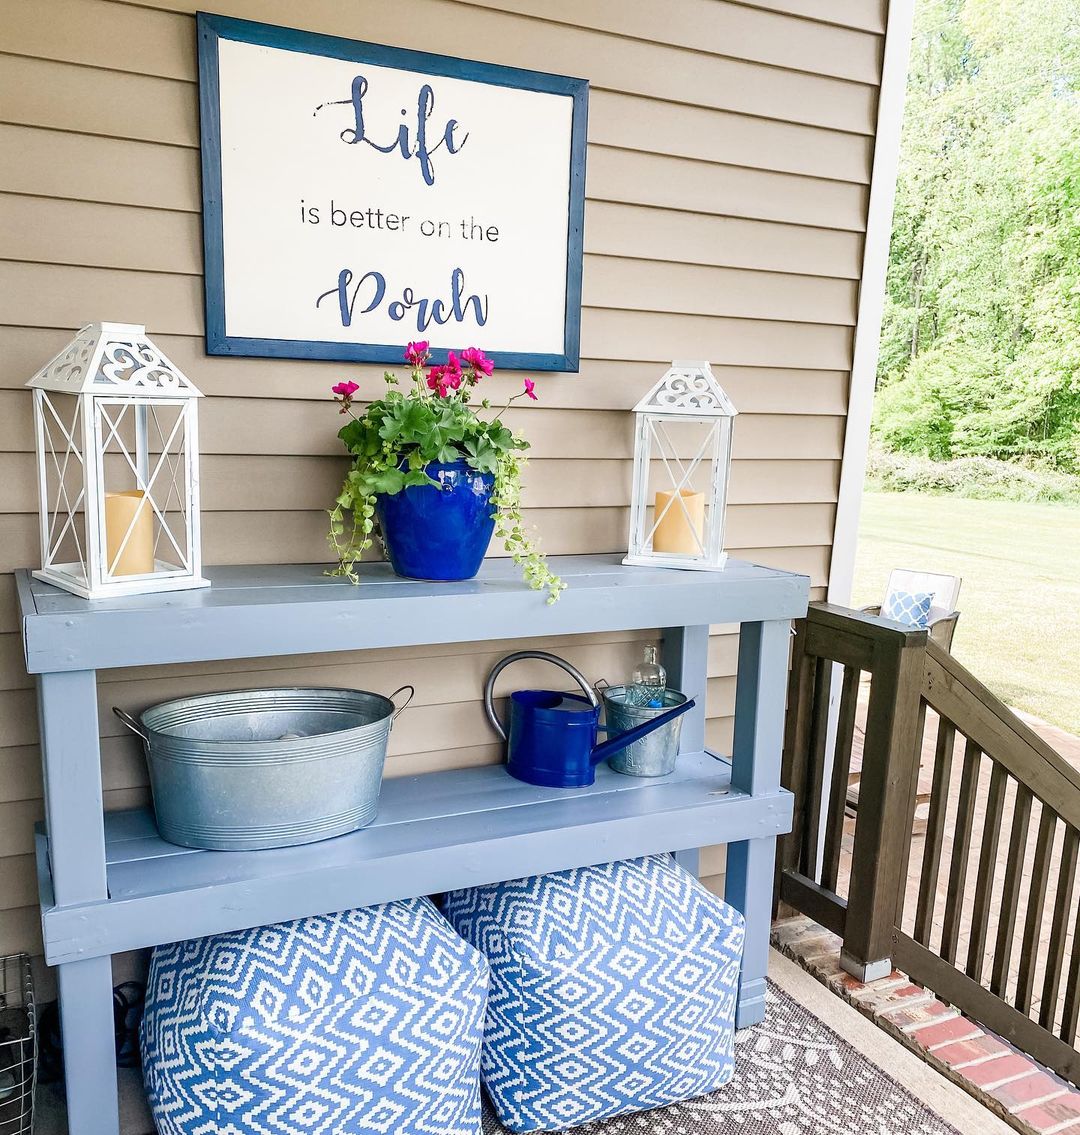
column 344, row 392
column 443, row 379
column 530, row 389
column 416, row 353
column 476, row 358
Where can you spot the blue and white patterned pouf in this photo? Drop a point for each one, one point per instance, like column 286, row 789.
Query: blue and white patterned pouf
column 365, row 1021
column 613, row 989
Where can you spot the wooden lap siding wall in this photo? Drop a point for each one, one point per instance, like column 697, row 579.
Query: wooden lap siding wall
column 729, row 155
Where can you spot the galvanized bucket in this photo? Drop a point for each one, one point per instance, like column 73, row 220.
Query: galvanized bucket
column 654, row 754
column 251, row 769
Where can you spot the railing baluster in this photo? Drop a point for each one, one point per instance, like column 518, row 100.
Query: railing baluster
column 913, row 792
column 984, row 878
column 1055, row 956
column 961, row 850
column 1071, row 1009
column 1033, row 916
column 841, row 771
column 819, row 731
column 935, row 831
column 1010, row 892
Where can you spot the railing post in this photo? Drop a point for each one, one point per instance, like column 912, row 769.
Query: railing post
column 793, row 763
column 887, row 792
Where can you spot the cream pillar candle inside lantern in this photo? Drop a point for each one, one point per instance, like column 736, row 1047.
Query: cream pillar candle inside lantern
column 680, row 523
column 126, row 512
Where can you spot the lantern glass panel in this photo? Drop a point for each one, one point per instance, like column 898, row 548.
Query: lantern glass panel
column 678, row 485
column 63, row 515
column 145, row 523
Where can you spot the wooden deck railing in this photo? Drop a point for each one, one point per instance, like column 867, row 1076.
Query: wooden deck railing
column 956, row 859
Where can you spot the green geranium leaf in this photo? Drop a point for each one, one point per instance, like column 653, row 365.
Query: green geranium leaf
column 388, row 481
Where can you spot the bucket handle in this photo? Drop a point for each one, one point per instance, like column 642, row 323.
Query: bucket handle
column 399, row 710
column 132, row 723
column 543, row 656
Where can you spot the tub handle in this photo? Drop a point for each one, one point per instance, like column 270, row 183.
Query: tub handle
column 132, row 723
column 405, row 704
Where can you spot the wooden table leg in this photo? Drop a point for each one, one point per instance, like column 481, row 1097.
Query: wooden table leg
column 759, row 735
column 748, row 888
column 686, row 660
column 86, row 1022
column 68, row 718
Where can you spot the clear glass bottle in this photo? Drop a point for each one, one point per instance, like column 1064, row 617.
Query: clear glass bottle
column 649, row 681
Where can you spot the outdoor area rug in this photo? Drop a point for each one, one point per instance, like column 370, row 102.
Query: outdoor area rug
column 793, row 1076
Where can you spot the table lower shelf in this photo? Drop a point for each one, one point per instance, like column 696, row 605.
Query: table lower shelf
column 434, row 832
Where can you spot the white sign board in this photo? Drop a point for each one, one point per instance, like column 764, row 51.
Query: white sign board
column 357, row 197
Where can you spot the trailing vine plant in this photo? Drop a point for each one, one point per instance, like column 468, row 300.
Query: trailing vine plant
column 430, row 420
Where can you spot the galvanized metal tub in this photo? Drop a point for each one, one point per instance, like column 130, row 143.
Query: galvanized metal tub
column 656, row 753
column 251, row 769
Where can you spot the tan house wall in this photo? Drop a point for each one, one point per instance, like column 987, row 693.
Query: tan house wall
column 729, row 156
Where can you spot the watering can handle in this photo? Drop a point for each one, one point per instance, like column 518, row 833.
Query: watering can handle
column 543, row 656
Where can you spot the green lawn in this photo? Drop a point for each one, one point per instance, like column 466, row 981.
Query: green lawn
column 1019, row 630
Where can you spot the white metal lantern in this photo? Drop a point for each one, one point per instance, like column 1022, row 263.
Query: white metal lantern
column 118, row 469
column 682, row 459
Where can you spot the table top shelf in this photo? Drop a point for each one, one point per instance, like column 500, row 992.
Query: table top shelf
column 251, row 612
column 433, row 832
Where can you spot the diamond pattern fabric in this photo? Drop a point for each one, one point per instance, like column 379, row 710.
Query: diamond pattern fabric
column 368, row 1021
column 613, row 989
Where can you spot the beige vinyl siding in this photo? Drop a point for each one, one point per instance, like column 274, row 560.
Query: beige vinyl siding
column 730, row 149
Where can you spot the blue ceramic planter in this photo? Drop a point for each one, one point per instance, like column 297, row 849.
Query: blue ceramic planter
column 439, row 533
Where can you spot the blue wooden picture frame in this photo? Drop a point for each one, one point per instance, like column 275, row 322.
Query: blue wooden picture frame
column 212, row 28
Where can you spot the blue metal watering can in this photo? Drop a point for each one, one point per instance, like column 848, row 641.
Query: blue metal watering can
column 552, row 736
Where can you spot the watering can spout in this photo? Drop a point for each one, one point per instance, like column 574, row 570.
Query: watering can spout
column 616, row 744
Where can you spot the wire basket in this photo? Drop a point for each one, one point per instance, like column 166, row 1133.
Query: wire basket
column 18, row 1046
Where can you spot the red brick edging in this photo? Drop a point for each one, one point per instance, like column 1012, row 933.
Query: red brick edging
column 1010, row 1083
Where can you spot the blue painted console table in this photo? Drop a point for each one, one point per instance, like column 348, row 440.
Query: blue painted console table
column 109, row 883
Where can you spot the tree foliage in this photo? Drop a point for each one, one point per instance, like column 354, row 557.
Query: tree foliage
column 980, row 351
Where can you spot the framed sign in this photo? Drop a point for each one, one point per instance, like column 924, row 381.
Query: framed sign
column 356, row 197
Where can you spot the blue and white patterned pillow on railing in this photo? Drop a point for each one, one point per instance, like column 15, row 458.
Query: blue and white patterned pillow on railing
column 912, row 608
column 368, row 1021
column 613, row 989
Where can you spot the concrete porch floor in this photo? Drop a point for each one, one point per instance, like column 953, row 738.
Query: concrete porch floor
column 1012, row 1085
column 951, row 1102
column 967, row 1115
